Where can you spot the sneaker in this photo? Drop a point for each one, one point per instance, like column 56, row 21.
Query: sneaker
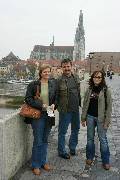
column 106, row 166
column 72, row 152
column 64, row 156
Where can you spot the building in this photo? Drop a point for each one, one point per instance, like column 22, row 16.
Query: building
column 4, row 69
column 10, row 59
column 52, row 52
column 105, row 60
column 79, row 42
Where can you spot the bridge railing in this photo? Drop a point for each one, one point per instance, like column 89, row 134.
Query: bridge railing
column 15, row 144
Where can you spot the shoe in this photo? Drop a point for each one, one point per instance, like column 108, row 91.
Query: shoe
column 64, row 156
column 47, row 167
column 89, row 162
column 106, row 166
column 36, row 171
column 72, row 152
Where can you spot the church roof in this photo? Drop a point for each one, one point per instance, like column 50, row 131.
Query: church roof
column 38, row 48
column 11, row 57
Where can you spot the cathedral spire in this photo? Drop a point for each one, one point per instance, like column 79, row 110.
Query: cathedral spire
column 79, row 42
column 81, row 18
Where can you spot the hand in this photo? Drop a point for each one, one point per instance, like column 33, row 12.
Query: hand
column 45, row 106
column 52, row 107
column 83, row 123
column 105, row 126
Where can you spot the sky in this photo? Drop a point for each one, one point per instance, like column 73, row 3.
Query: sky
column 25, row 23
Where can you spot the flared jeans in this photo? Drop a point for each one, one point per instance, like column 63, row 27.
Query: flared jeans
column 41, row 132
column 93, row 122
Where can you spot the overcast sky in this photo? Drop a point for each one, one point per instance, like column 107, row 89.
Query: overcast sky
column 25, row 23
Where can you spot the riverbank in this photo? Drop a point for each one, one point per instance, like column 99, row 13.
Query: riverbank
column 11, row 101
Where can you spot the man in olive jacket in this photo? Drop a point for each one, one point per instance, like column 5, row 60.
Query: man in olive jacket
column 68, row 102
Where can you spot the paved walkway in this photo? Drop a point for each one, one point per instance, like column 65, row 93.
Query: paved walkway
column 74, row 169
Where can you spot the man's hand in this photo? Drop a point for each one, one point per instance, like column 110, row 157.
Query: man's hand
column 105, row 126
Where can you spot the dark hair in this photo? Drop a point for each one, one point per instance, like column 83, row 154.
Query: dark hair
column 102, row 84
column 42, row 68
column 67, row 60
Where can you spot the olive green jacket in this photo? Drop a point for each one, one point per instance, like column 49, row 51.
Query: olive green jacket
column 104, row 116
column 62, row 97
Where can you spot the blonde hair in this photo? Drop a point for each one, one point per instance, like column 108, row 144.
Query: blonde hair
column 42, row 68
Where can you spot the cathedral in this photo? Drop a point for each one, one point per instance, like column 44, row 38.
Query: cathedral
column 79, row 42
column 52, row 52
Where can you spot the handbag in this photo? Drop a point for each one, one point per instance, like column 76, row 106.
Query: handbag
column 28, row 111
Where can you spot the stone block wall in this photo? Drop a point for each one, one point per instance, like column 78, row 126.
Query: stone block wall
column 15, row 145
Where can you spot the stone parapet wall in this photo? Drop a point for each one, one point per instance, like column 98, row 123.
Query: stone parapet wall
column 15, row 144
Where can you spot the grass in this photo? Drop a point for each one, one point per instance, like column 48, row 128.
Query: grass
column 15, row 101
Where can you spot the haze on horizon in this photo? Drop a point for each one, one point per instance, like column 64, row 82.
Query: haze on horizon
column 34, row 22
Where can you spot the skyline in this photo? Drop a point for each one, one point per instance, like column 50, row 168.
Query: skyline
column 28, row 23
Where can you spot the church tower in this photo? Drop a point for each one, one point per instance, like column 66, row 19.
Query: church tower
column 79, row 42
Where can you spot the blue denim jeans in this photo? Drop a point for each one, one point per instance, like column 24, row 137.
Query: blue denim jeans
column 93, row 122
column 41, row 132
column 64, row 120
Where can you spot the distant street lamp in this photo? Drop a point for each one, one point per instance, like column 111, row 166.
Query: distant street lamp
column 91, row 54
column 119, row 68
column 111, row 63
column 103, row 68
column 97, row 66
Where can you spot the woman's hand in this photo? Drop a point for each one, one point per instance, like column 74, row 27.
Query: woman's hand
column 83, row 123
column 45, row 106
column 52, row 107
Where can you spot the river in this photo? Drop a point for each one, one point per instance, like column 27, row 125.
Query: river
column 11, row 89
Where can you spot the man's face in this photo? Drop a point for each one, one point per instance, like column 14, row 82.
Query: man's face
column 59, row 72
column 67, row 69
column 53, row 69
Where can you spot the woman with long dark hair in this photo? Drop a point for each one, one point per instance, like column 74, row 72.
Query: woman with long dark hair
column 41, row 127
column 96, row 112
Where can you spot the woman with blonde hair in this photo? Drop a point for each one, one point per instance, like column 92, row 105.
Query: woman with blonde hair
column 42, row 126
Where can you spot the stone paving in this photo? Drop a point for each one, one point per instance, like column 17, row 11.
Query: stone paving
column 75, row 169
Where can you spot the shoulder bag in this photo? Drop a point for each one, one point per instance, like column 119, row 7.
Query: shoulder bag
column 30, row 112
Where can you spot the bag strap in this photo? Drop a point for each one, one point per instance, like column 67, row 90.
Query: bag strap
column 105, row 95
column 37, row 92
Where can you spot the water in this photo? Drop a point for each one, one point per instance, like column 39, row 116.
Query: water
column 10, row 89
